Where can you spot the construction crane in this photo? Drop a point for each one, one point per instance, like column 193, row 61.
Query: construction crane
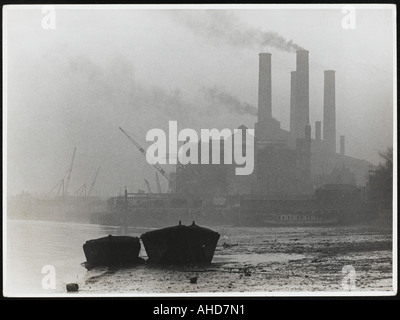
column 94, row 181
column 81, row 191
column 60, row 185
column 69, row 173
column 158, row 184
column 156, row 165
column 148, row 186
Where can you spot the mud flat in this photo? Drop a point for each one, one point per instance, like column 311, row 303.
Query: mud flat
column 266, row 260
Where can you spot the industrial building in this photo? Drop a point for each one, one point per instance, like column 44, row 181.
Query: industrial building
column 298, row 178
column 288, row 164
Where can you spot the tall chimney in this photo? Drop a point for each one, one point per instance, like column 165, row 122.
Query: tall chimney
column 342, row 146
column 318, row 130
column 307, row 132
column 264, row 88
column 329, row 111
column 302, row 93
column 293, row 102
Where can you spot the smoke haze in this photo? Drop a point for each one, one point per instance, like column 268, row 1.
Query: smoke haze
column 230, row 102
column 138, row 69
column 223, row 27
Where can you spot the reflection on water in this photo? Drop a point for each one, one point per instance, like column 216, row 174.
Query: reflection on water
column 31, row 245
column 245, row 260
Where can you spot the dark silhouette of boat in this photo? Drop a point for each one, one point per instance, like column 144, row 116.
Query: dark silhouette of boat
column 180, row 245
column 112, row 251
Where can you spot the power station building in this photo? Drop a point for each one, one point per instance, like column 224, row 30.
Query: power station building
column 287, row 163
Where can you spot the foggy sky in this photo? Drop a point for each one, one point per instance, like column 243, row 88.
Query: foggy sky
column 138, row 69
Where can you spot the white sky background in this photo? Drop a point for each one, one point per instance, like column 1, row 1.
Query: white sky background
column 138, row 69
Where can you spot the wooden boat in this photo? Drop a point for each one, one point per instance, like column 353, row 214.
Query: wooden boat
column 180, row 245
column 112, row 251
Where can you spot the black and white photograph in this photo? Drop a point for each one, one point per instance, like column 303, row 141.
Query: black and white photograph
column 199, row 150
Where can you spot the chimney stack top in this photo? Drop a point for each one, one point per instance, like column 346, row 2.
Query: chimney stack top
column 302, row 51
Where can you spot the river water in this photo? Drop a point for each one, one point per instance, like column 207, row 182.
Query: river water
column 247, row 261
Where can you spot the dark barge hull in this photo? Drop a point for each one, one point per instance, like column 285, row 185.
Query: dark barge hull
column 112, row 251
column 180, row 244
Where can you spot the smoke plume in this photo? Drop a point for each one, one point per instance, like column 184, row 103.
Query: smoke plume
column 233, row 104
column 220, row 26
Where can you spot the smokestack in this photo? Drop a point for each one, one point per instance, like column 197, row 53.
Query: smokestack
column 302, row 93
column 293, row 102
column 329, row 111
column 264, row 88
column 318, row 130
column 342, row 145
column 307, row 132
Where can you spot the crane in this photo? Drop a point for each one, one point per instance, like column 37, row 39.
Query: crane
column 81, row 190
column 60, row 185
column 94, row 181
column 69, row 173
column 156, row 165
column 158, row 184
column 148, row 186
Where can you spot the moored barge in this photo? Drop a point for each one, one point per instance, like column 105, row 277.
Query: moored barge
column 178, row 245
column 112, row 251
